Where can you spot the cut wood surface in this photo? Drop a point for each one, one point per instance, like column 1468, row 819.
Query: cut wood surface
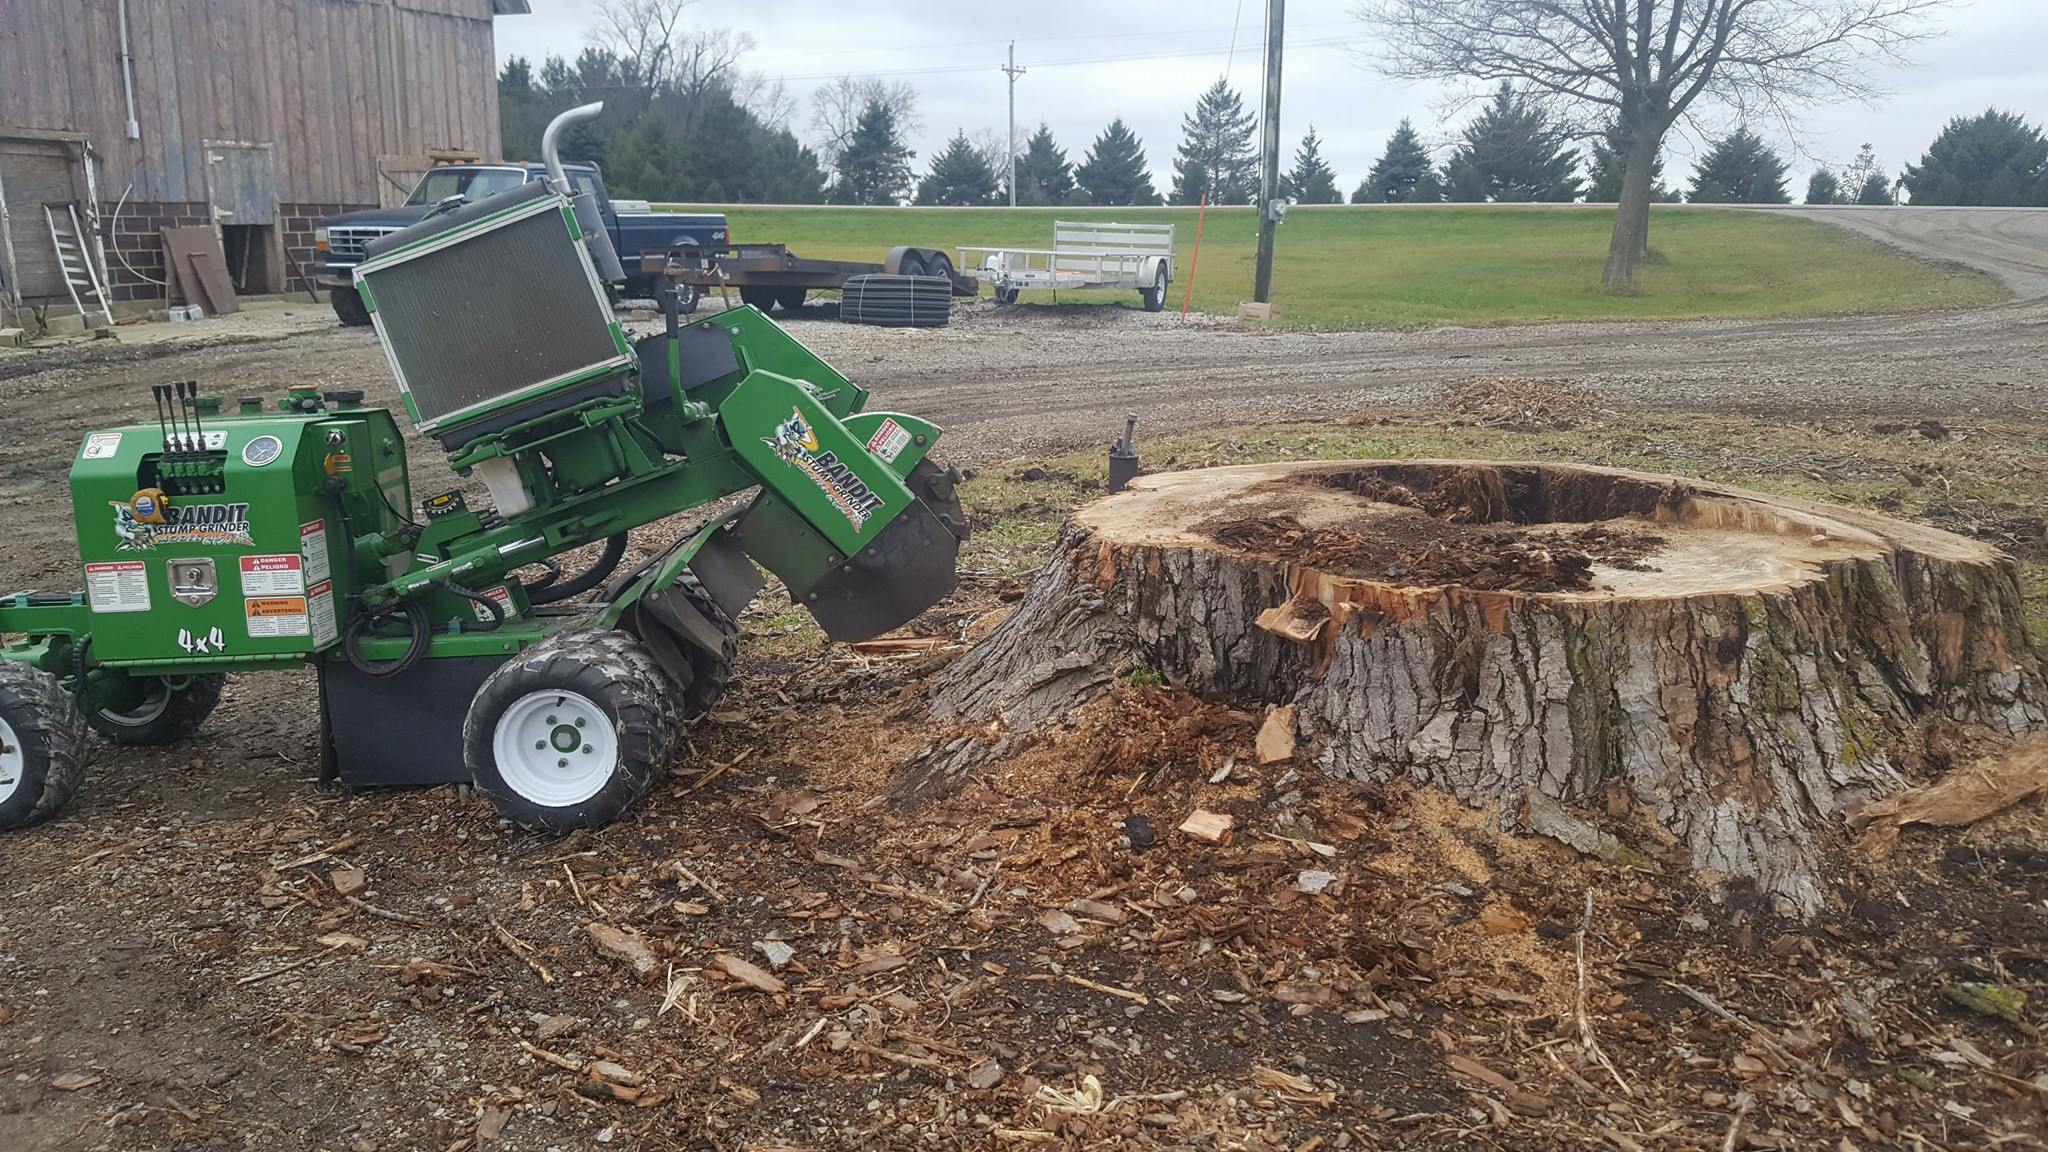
column 1741, row 667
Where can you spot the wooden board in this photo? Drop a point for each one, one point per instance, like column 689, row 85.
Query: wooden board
column 199, row 270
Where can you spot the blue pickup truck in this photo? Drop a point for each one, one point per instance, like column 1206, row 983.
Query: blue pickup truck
column 636, row 232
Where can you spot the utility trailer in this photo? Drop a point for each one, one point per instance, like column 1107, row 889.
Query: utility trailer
column 1084, row 254
column 770, row 275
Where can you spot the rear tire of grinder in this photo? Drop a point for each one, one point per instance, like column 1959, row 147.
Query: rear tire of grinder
column 166, row 715
column 572, row 732
column 42, row 746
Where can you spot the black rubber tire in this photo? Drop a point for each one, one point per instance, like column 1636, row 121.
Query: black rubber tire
column 709, row 673
column 761, row 299
column 167, row 716
column 790, row 299
column 911, row 265
column 348, row 308
column 46, row 720
column 940, row 265
column 1007, row 295
column 1155, row 296
column 613, row 671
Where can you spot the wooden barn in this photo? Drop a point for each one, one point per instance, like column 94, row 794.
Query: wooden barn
column 261, row 117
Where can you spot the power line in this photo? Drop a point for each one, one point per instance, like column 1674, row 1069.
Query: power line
column 1190, row 54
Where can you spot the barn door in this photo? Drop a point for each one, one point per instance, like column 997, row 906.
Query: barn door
column 241, row 187
column 241, row 182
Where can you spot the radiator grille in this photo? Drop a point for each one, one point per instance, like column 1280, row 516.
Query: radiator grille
column 496, row 313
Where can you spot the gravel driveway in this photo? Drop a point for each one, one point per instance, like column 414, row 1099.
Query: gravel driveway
column 1019, row 381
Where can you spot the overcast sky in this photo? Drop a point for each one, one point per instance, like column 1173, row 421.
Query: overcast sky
column 1147, row 60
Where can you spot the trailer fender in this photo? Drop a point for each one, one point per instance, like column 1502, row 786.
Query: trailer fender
column 1148, row 269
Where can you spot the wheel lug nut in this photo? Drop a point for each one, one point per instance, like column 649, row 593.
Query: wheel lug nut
column 551, row 720
column 579, row 721
column 587, row 749
column 561, row 763
column 540, row 744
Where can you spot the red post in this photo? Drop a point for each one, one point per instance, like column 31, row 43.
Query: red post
column 1195, row 261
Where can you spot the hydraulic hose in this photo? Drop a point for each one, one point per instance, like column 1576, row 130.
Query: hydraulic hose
column 553, row 591
column 416, row 621
column 490, row 607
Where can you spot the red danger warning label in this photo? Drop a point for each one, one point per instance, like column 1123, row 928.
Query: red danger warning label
column 273, row 575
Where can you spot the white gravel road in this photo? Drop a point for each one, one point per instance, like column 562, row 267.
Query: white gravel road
column 2009, row 243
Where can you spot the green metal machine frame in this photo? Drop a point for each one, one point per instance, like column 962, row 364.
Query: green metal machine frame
column 228, row 538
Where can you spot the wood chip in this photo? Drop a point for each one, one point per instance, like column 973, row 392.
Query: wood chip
column 74, row 1081
column 1275, row 744
column 623, row 945
column 349, row 881
column 1097, row 910
column 752, row 975
column 1209, row 827
column 1500, row 920
column 985, row 1076
column 1473, row 1070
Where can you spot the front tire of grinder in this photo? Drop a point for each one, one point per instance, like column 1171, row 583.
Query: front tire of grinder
column 572, row 732
column 42, row 745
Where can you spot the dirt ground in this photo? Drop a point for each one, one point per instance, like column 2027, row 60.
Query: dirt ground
column 1042, row 960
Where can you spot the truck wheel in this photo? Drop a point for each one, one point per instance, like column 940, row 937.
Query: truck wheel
column 759, row 298
column 790, row 299
column 348, row 307
column 572, row 732
column 42, row 745
column 940, row 265
column 165, row 713
column 1155, row 296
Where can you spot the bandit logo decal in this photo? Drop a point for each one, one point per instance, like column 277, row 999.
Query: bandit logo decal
column 796, row 442
column 182, row 524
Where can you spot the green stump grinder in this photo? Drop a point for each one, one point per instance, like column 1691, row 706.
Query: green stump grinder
column 230, row 538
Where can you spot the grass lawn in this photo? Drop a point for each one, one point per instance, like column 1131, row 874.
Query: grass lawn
column 1343, row 267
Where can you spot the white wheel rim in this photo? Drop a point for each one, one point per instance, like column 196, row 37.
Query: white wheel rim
column 144, row 714
column 555, row 749
column 13, row 764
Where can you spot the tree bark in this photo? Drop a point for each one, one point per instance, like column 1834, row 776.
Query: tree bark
column 1781, row 661
column 1631, row 240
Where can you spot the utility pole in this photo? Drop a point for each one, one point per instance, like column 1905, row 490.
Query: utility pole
column 1269, row 139
column 1013, row 72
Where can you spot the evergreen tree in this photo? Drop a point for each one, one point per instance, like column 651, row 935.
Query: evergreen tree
column 1043, row 174
column 1823, row 187
column 1402, row 173
column 960, row 176
column 1310, row 181
column 1604, row 172
column 1739, row 168
column 1216, row 157
column 790, row 171
column 874, row 167
column 1512, row 152
column 1994, row 159
column 1876, row 190
column 1114, row 170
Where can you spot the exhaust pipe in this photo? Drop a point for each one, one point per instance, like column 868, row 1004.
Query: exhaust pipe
column 588, row 217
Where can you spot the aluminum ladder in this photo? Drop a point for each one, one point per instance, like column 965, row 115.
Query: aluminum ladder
column 76, row 262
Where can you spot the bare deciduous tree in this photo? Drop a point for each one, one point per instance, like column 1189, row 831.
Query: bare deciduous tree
column 836, row 107
column 655, row 50
column 1643, row 65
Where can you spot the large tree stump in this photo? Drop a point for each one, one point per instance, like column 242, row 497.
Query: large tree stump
column 1741, row 666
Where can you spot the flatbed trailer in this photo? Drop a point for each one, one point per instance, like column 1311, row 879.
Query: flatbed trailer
column 770, row 275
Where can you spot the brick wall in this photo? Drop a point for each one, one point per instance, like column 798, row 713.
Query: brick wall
column 139, row 238
column 299, row 220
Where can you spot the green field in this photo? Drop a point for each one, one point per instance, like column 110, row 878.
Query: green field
column 1343, row 267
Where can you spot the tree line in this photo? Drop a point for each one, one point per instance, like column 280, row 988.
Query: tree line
column 684, row 121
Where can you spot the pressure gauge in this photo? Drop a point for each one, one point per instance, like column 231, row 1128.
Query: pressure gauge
column 262, row 450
